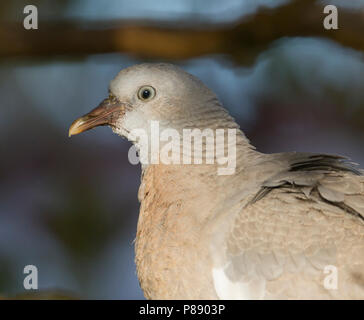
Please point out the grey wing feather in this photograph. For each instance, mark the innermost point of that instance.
(333, 178)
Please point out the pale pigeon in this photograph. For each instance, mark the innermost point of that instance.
(281, 226)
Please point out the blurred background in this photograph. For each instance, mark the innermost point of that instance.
(69, 206)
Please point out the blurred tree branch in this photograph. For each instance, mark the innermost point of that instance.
(242, 41)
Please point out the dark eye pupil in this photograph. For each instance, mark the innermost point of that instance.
(146, 94)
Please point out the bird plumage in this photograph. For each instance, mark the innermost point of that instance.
(276, 229)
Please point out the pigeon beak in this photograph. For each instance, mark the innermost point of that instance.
(106, 113)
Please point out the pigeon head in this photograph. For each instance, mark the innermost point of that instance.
(160, 92)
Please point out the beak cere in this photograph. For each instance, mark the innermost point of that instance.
(106, 113)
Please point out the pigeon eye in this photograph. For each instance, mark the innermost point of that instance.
(146, 93)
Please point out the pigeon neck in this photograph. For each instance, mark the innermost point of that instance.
(222, 153)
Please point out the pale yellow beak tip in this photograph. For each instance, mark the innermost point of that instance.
(75, 127)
